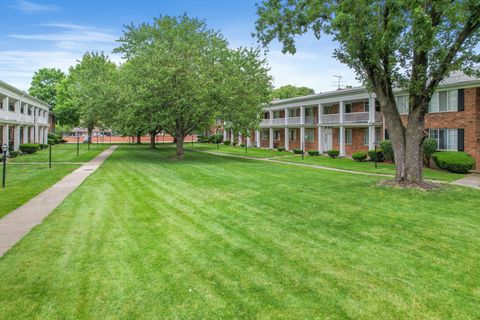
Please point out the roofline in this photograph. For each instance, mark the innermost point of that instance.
(361, 89)
(23, 93)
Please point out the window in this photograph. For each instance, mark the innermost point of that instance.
(309, 135)
(327, 109)
(11, 107)
(276, 134)
(22, 109)
(366, 136)
(402, 104)
(348, 136)
(366, 106)
(447, 139)
(444, 101)
(29, 111)
(265, 134)
(292, 133)
(309, 112)
(294, 112)
(276, 114)
(266, 115)
(348, 108)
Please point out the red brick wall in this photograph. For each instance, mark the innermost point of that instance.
(357, 141)
(468, 120)
(295, 144)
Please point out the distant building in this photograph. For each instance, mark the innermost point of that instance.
(23, 118)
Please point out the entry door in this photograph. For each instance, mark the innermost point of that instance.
(327, 139)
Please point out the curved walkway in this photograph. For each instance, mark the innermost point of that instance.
(20, 221)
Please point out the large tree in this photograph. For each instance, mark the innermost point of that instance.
(87, 95)
(44, 85)
(409, 44)
(181, 70)
(289, 91)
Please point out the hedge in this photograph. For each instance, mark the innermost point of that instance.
(387, 149)
(376, 156)
(359, 156)
(226, 142)
(429, 147)
(333, 153)
(297, 151)
(454, 161)
(313, 152)
(29, 148)
(281, 149)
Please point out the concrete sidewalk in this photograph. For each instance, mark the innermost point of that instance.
(15, 225)
(472, 180)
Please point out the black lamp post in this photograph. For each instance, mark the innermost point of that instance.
(4, 151)
(50, 156)
(78, 145)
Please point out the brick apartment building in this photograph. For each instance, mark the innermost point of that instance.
(350, 120)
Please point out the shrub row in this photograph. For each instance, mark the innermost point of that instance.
(29, 148)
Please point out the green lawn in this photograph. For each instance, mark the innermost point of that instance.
(26, 181)
(384, 168)
(215, 237)
(237, 151)
(64, 153)
(340, 163)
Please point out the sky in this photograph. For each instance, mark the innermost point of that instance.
(55, 34)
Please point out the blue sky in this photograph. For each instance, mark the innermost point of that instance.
(52, 33)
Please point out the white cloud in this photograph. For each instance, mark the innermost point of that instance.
(30, 7)
(69, 35)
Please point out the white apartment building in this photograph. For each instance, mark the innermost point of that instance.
(23, 118)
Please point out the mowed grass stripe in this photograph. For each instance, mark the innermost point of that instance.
(148, 237)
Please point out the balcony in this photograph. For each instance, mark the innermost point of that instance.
(349, 118)
(310, 120)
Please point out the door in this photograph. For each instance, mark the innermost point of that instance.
(327, 139)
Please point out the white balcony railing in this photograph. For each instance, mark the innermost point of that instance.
(310, 120)
(355, 117)
(277, 121)
(294, 120)
(330, 118)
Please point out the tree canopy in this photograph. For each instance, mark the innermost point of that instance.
(184, 76)
(87, 96)
(411, 45)
(44, 85)
(289, 91)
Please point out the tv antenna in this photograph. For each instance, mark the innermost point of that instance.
(338, 83)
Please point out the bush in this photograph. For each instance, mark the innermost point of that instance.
(281, 149)
(387, 149)
(454, 161)
(13, 154)
(313, 152)
(376, 156)
(55, 137)
(333, 153)
(29, 148)
(64, 141)
(203, 139)
(359, 156)
(215, 138)
(226, 142)
(51, 141)
(242, 145)
(429, 148)
(297, 151)
(43, 146)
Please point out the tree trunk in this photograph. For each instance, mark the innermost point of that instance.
(152, 139)
(180, 151)
(139, 138)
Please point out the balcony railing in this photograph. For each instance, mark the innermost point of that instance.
(294, 120)
(310, 120)
(330, 118)
(355, 117)
(277, 121)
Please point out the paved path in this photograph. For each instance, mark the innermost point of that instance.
(20, 221)
(472, 180)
